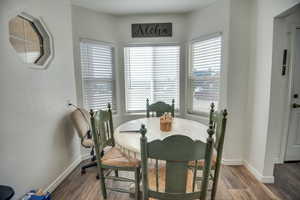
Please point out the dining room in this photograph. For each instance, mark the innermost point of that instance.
(147, 100)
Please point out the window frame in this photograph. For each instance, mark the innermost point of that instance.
(189, 96)
(114, 102)
(125, 110)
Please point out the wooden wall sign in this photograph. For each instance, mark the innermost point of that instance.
(151, 30)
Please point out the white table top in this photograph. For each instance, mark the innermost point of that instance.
(131, 140)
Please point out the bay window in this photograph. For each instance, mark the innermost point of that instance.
(204, 74)
(97, 72)
(151, 72)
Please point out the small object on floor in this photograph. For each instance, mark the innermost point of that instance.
(6, 192)
(37, 195)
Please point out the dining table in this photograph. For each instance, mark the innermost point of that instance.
(127, 135)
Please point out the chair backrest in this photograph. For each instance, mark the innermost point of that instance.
(218, 121)
(176, 152)
(80, 118)
(159, 108)
(102, 129)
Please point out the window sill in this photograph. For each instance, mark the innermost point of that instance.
(135, 114)
(196, 117)
(177, 114)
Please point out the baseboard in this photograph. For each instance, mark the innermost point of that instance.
(232, 162)
(63, 175)
(258, 175)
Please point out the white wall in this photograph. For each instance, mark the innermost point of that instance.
(37, 142)
(206, 21)
(88, 24)
(231, 17)
(260, 150)
(237, 79)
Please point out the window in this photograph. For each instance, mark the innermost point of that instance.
(151, 72)
(97, 74)
(30, 40)
(204, 75)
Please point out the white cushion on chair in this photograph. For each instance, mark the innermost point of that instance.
(88, 143)
(81, 120)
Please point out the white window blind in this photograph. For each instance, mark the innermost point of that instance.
(97, 75)
(204, 77)
(151, 72)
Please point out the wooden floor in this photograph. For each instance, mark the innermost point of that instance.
(287, 181)
(236, 183)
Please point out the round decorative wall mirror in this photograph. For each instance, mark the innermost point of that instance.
(31, 40)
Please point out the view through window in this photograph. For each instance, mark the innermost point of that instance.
(204, 76)
(151, 72)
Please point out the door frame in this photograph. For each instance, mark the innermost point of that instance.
(291, 68)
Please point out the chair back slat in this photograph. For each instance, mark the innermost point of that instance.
(176, 176)
(157, 175)
(102, 128)
(220, 121)
(195, 174)
(159, 108)
(217, 120)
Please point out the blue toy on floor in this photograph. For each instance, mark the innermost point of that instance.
(31, 196)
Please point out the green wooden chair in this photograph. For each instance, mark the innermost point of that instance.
(113, 159)
(159, 108)
(177, 168)
(219, 121)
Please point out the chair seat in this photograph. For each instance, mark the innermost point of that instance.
(115, 157)
(200, 163)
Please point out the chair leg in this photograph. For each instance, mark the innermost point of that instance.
(83, 168)
(215, 182)
(102, 183)
(137, 183)
(116, 173)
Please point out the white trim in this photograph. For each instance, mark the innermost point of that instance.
(63, 175)
(206, 37)
(258, 175)
(232, 162)
(150, 44)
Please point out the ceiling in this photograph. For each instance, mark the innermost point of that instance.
(124, 7)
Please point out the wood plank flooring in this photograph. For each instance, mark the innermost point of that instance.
(287, 181)
(236, 183)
